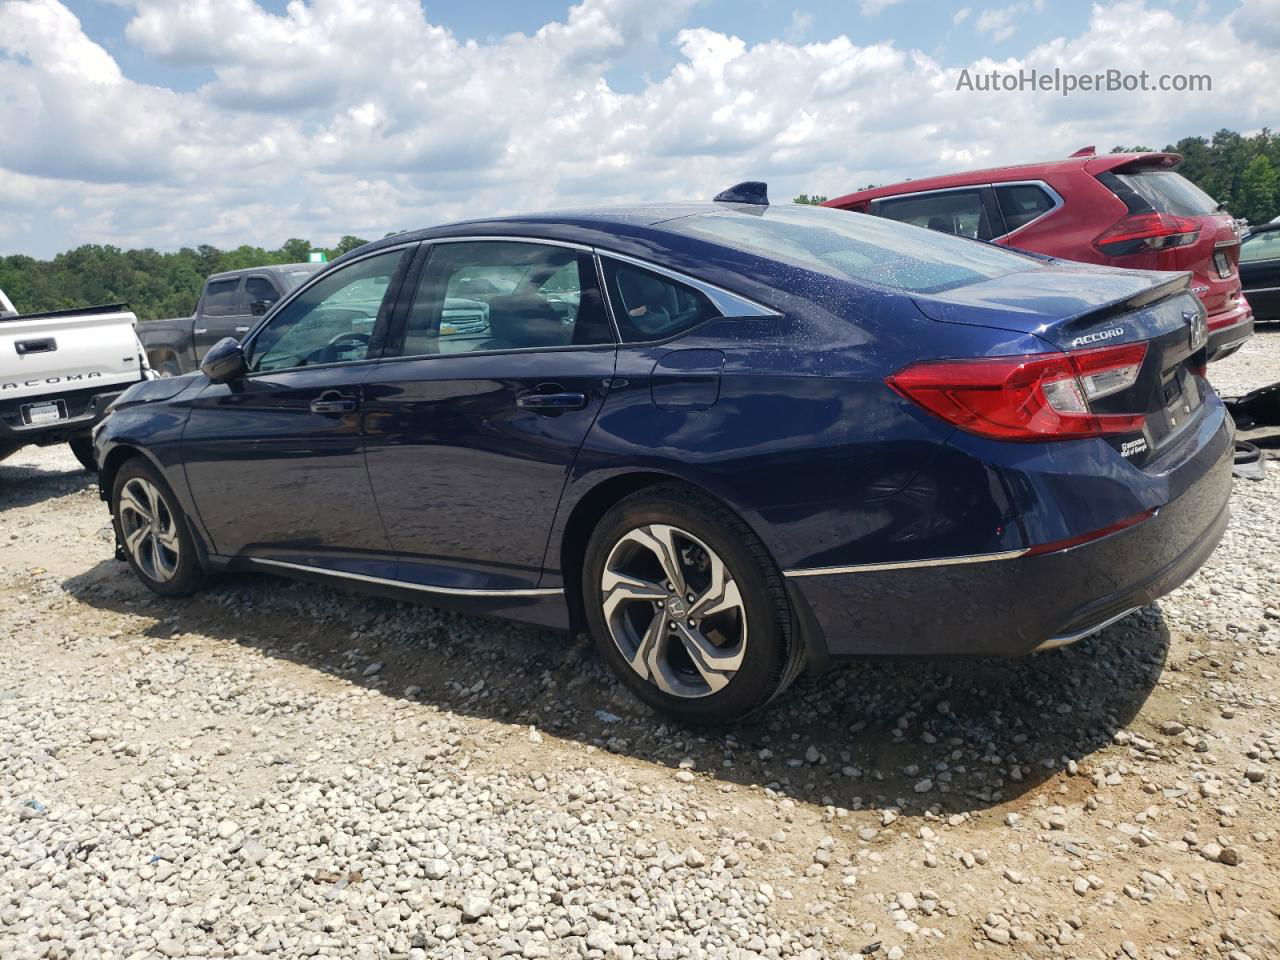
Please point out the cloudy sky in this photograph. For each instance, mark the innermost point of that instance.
(164, 124)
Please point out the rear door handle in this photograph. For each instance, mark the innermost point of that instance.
(331, 401)
(551, 401)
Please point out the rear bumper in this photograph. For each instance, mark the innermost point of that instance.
(85, 409)
(1227, 331)
(1009, 604)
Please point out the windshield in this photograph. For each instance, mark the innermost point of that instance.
(294, 278)
(857, 246)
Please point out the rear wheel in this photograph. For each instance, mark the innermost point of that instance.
(688, 607)
(82, 447)
(153, 531)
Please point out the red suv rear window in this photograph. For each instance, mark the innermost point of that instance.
(1159, 191)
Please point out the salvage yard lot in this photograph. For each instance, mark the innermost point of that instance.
(277, 769)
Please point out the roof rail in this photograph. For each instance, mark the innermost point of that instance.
(749, 191)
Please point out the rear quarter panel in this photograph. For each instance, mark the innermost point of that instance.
(806, 441)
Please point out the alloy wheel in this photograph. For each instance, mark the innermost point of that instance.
(149, 529)
(674, 610)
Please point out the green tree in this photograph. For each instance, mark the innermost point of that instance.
(346, 245)
(295, 250)
(1258, 189)
(812, 201)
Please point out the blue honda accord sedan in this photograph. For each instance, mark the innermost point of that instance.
(729, 439)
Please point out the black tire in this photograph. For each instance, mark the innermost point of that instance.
(82, 447)
(771, 651)
(187, 575)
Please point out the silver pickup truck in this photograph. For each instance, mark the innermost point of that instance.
(60, 370)
(230, 304)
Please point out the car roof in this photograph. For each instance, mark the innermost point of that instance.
(268, 268)
(1089, 162)
(625, 228)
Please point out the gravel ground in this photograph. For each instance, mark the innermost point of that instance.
(277, 770)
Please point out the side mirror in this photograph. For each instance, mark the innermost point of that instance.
(259, 307)
(225, 361)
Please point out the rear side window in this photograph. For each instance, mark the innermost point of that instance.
(649, 306)
(854, 246)
(221, 299)
(960, 213)
(1020, 203)
(1159, 191)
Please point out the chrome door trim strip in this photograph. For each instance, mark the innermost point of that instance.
(493, 238)
(404, 584)
(904, 564)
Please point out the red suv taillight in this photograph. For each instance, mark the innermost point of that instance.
(1036, 397)
(1147, 232)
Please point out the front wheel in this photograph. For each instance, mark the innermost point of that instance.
(153, 531)
(688, 607)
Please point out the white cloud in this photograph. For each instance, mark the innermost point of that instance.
(998, 22)
(316, 124)
(801, 24)
(960, 16)
(871, 8)
(1259, 21)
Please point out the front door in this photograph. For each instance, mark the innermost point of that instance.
(496, 374)
(275, 460)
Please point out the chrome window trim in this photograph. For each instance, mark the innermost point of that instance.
(1056, 197)
(730, 304)
(905, 564)
(1262, 289)
(424, 588)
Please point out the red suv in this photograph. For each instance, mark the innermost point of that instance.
(1121, 209)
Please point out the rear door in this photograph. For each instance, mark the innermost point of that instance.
(275, 461)
(491, 382)
(222, 310)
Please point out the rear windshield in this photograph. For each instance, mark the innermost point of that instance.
(1164, 191)
(856, 246)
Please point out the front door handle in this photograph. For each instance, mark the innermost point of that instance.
(551, 402)
(331, 401)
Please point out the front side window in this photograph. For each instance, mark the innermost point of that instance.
(960, 213)
(504, 295)
(1261, 246)
(259, 292)
(332, 321)
(1020, 203)
(222, 299)
(649, 306)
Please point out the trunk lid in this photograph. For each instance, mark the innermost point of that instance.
(1077, 308)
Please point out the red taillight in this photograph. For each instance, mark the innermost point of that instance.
(1146, 232)
(1037, 397)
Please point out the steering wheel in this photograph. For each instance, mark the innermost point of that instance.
(331, 348)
